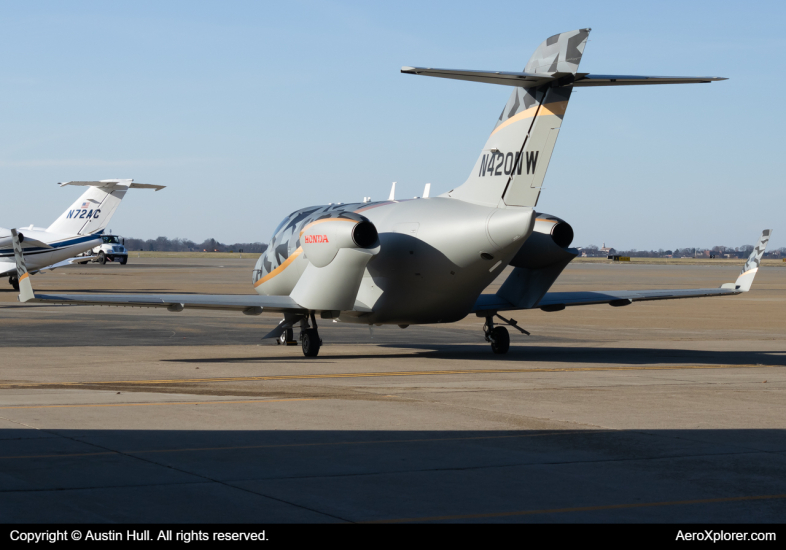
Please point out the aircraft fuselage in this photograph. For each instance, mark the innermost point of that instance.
(435, 256)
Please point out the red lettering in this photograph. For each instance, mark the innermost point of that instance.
(311, 239)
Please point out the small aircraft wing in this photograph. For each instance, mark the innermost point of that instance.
(69, 261)
(556, 301)
(248, 304)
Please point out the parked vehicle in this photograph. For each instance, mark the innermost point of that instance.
(111, 249)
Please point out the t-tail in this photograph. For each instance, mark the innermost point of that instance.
(91, 212)
(512, 165)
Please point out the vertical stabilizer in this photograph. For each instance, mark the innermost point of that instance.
(92, 211)
(511, 167)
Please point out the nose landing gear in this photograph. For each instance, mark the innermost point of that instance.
(287, 338)
(498, 336)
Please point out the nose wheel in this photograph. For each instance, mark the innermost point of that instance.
(287, 338)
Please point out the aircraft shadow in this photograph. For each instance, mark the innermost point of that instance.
(529, 354)
(365, 475)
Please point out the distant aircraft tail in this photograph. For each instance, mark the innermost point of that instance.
(512, 165)
(92, 211)
(751, 267)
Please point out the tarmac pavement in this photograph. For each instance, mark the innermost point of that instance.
(658, 412)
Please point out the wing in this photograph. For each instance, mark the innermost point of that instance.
(248, 304)
(557, 301)
(488, 304)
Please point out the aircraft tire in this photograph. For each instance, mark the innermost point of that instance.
(501, 340)
(14, 282)
(311, 342)
(101, 258)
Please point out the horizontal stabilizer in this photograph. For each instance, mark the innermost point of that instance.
(6, 242)
(533, 80)
(584, 80)
(111, 184)
(521, 80)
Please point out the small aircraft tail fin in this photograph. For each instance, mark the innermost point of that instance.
(92, 211)
(25, 288)
(512, 165)
(745, 280)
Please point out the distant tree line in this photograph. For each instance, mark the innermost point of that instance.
(163, 244)
(716, 251)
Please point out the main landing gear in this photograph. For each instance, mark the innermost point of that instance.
(14, 282)
(498, 336)
(309, 337)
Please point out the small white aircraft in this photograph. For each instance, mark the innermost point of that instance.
(428, 260)
(77, 229)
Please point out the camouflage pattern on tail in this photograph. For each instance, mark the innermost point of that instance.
(513, 163)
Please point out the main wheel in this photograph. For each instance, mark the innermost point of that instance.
(500, 340)
(101, 258)
(311, 342)
(14, 282)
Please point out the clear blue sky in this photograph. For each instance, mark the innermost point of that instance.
(249, 110)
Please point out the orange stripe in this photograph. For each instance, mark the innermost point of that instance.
(326, 220)
(556, 108)
(280, 268)
(23, 277)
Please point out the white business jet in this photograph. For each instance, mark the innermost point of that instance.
(77, 229)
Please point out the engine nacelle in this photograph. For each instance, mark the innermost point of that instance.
(322, 239)
(338, 250)
(547, 245)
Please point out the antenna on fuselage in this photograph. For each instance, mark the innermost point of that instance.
(392, 196)
(427, 190)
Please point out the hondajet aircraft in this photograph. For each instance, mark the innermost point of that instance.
(428, 260)
(77, 229)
